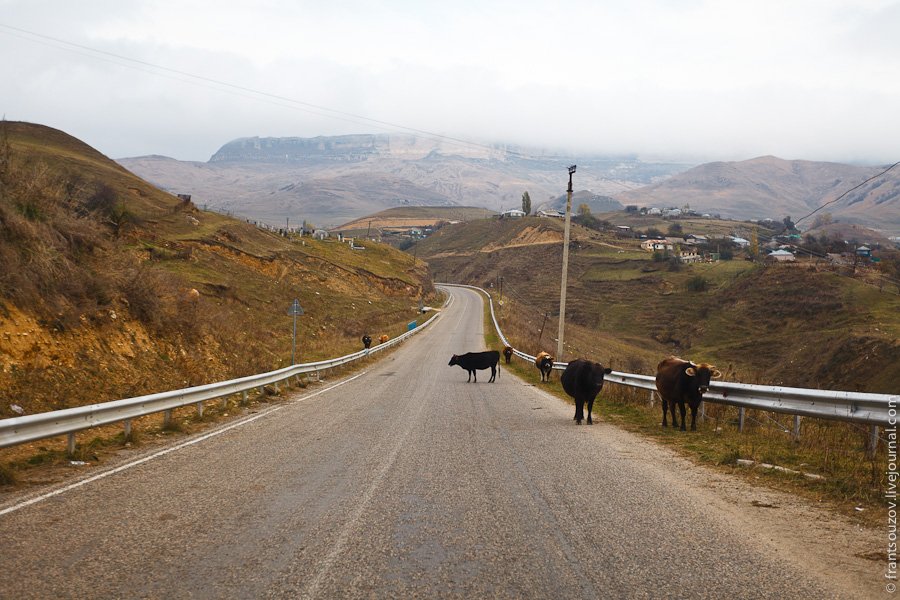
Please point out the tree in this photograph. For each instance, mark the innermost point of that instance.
(675, 229)
(788, 224)
(584, 210)
(823, 219)
(526, 203)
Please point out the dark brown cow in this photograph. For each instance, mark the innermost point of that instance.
(367, 341)
(507, 353)
(679, 382)
(544, 362)
(583, 380)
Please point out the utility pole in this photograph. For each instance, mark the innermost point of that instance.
(565, 269)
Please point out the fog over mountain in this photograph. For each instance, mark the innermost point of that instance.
(331, 180)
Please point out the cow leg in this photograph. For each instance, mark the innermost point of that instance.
(493, 373)
(469, 380)
(665, 406)
(693, 417)
(683, 411)
(579, 411)
(590, 407)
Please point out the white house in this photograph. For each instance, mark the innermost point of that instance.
(556, 214)
(781, 256)
(656, 246)
(513, 213)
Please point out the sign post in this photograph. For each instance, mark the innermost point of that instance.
(294, 311)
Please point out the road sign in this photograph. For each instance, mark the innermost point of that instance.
(295, 310)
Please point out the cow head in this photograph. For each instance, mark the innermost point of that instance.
(598, 372)
(454, 360)
(703, 373)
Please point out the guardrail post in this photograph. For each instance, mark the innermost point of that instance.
(167, 418)
(651, 399)
(741, 412)
(796, 432)
(702, 411)
(70, 445)
(872, 446)
(127, 430)
(224, 402)
(244, 398)
(200, 410)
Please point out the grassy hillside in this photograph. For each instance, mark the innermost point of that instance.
(112, 288)
(781, 324)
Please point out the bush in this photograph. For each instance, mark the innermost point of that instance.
(698, 283)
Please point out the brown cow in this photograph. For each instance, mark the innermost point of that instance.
(507, 353)
(544, 362)
(383, 339)
(679, 382)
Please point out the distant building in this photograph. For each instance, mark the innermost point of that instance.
(864, 251)
(555, 214)
(654, 211)
(781, 256)
(623, 230)
(689, 256)
(693, 239)
(320, 234)
(739, 241)
(657, 246)
(512, 214)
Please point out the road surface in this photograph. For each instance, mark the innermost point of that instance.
(405, 481)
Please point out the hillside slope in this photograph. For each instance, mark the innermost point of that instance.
(783, 324)
(769, 187)
(111, 288)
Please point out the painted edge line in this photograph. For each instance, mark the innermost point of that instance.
(206, 436)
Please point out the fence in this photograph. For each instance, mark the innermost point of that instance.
(19, 430)
(871, 409)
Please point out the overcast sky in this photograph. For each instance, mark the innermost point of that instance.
(700, 79)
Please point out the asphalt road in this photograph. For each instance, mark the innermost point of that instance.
(404, 482)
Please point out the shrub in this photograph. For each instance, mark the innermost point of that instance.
(698, 283)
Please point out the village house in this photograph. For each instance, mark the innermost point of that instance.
(781, 256)
(657, 246)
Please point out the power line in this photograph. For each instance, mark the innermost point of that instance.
(848, 191)
(328, 112)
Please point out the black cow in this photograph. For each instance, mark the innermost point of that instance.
(679, 381)
(470, 361)
(544, 362)
(507, 353)
(367, 341)
(583, 380)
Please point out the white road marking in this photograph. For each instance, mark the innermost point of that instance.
(140, 461)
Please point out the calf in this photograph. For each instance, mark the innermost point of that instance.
(679, 382)
(382, 339)
(367, 341)
(507, 353)
(544, 362)
(470, 361)
(583, 380)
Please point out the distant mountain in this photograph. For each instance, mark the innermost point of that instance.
(596, 202)
(769, 187)
(332, 180)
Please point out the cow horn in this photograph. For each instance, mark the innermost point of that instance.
(716, 374)
(690, 371)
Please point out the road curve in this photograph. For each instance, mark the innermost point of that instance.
(404, 482)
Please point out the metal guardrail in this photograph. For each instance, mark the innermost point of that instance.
(856, 407)
(28, 428)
